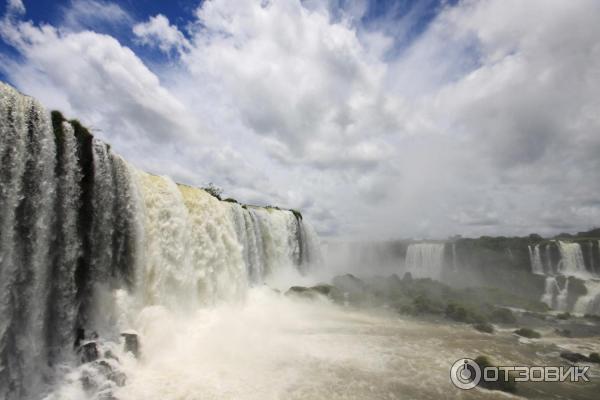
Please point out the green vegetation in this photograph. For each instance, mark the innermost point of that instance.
(564, 315)
(230, 200)
(503, 316)
(528, 333)
(461, 313)
(213, 190)
(418, 297)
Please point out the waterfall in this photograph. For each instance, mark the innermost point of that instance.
(425, 259)
(88, 242)
(571, 259)
(555, 297)
(536, 260)
(548, 251)
(591, 255)
(551, 290)
(454, 265)
(589, 303)
(27, 198)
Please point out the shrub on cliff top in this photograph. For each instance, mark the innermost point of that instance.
(213, 190)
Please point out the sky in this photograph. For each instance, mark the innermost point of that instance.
(377, 119)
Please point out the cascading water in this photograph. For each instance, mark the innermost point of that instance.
(454, 264)
(88, 243)
(536, 260)
(572, 265)
(572, 262)
(589, 303)
(425, 259)
(548, 252)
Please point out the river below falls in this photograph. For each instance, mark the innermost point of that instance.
(275, 347)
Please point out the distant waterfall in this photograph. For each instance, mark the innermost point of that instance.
(551, 290)
(550, 268)
(554, 296)
(536, 260)
(425, 259)
(590, 303)
(87, 241)
(571, 258)
(454, 263)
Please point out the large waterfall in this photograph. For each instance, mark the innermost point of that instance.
(571, 265)
(571, 258)
(87, 241)
(425, 259)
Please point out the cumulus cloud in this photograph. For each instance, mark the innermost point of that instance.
(482, 121)
(15, 6)
(157, 31)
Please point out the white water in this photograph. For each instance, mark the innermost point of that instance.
(571, 264)
(425, 260)
(550, 267)
(590, 303)
(536, 260)
(274, 347)
(93, 244)
(555, 296)
(571, 259)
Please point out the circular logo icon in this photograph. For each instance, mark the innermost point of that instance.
(465, 374)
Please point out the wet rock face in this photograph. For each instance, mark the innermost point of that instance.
(574, 357)
(89, 352)
(132, 343)
(101, 377)
(315, 291)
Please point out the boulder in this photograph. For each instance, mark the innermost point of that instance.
(349, 284)
(594, 357)
(502, 316)
(574, 357)
(100, 376)
(484, 327)
(563, 332)
(88, 351)
(528, 333)
(504, 383)
(315, 291)
(132, 343)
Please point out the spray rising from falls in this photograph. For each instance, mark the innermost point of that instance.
(88, 242)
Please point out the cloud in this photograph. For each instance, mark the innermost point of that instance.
(15, 7)
(92, 76)
(477, 118)
(303, 82)
(93, 14)
(157, 31)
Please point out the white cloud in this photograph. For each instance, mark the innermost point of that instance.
(157, 31)
(486, 123)
(92, 14)
(15, 6)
